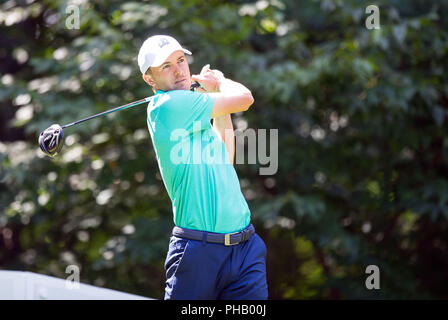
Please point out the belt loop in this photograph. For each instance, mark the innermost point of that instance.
(204, 238)
(245, 235)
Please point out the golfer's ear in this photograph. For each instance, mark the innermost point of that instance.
(148, 80)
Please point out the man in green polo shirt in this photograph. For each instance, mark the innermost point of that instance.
(214, 252)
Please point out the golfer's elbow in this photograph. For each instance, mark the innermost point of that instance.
(248, 100)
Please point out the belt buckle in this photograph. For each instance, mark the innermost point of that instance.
(227, 239)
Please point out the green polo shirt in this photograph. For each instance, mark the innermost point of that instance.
(193, 161)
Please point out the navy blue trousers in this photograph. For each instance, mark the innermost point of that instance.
(208, 271)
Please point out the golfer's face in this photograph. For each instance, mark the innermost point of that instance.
(173, 74)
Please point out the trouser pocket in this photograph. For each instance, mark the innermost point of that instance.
(176, 251)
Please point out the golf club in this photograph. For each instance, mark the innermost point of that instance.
(51, 139)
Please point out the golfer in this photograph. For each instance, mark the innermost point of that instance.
(214, 252)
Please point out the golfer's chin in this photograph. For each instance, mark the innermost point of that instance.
(182, 85)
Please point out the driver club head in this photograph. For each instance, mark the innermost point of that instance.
(51, 140)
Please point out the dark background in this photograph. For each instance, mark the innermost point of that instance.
(362, 141)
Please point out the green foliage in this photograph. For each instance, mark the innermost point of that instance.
(361, 116)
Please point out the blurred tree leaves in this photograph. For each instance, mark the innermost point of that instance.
(361, 116)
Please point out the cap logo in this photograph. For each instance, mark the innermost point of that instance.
(163, 42)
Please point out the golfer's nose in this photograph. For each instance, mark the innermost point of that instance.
(178, 71)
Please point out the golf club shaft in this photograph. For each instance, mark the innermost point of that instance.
(125, 106)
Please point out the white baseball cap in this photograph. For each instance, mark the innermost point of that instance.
(155, 50)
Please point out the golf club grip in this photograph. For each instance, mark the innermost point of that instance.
(125, 106)
(195, 85)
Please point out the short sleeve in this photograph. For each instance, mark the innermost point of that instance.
(188, 110)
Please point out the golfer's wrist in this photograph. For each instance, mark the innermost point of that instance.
(221, 78)
(222, 84)
(229, 86)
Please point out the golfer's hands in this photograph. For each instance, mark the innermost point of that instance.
(209, 80)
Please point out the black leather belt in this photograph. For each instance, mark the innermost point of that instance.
(228, 239)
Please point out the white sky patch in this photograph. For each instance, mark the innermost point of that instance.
(104, 197)
(22, 99)
(7, 80)
(25, 113)
(43, 199)
(18, 152)
(13, 16)
(337, 121)
(241, 124)
(252, 9)
(100, 138)
(43, 85)
(60, 53)
(366, 227)
(97, 164)
(21, 55)
(108, 255)
(71, 84)
(269, 183)
(71, 139)
(86, 61)
(52, 176)
(125, 73)
(317, 133)
(140, 134)
(128, 229)
(320, 177)
(73, 155)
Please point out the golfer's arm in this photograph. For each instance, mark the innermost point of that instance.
(224, 127)
(232, 97)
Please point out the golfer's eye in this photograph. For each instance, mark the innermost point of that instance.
(166, 66)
